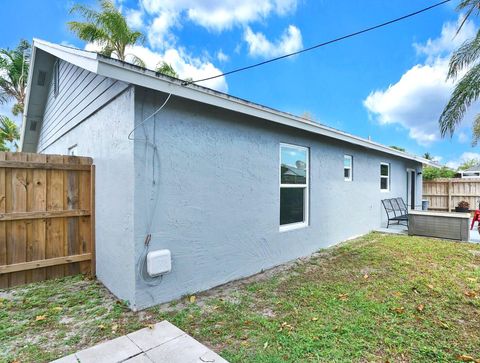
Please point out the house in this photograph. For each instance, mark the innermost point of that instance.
(472, 172)
(227, 187)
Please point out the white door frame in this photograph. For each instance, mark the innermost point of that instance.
(409, 188)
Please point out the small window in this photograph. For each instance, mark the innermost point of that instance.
(293, 186)
(384, 177)
(73, 150)
(348, 167)
(56, 78)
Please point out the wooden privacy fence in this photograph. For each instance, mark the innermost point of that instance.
(46, 217)
(444, 194)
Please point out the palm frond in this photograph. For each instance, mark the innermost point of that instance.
(466, 91)
(136, 60)
(14, 66)
(85, 12)
(468, 53)
(476, 131)
(88, 32)
(8, 130)
(166, 69)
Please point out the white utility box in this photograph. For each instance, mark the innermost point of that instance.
(159, 262)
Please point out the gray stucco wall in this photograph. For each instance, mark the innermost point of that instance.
(81, 93)
(103, 136)
(218, 194)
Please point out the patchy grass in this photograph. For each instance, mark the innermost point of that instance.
(378, 298)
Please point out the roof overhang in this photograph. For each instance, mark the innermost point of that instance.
(135, 75)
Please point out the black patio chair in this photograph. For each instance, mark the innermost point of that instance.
(396, 210)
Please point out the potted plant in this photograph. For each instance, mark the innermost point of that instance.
(462, 206)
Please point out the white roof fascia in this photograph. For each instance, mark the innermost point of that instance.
(27, 98)
(148, 79)
(81, 58)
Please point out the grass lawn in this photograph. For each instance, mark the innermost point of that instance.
(378, 298)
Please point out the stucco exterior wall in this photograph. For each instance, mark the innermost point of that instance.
(103, 136)
(217, 184)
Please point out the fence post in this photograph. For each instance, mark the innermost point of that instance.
(449, 203)
(93, 270)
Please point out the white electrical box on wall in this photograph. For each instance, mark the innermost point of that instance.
(159, 262)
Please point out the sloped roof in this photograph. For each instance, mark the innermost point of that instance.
(132, 74)
(472, 169)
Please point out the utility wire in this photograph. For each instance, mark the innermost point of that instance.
(322, 44)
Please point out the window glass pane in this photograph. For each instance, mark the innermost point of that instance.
(384, 183)
(347, 161)
(291, 205)
(346, 173)
(293, 165)
(384, 169)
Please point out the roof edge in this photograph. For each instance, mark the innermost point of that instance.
(132, 74)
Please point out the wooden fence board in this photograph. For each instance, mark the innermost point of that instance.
(36, 229)
(444, 194)
(71, 202)
(46, 216)
(18, 229)
(3, 236)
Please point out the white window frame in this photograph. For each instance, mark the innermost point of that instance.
(306, 195)
(350, 157)
(385, 177)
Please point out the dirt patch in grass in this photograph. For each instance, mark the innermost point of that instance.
(378, 298)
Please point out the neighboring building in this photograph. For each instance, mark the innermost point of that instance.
(473, 172)
(229, 187)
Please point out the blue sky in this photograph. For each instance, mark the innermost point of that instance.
(388, 84)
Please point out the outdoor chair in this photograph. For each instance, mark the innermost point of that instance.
(396, 210)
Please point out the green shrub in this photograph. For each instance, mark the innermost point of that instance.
(430, 173)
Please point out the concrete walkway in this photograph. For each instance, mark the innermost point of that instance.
(164, 342)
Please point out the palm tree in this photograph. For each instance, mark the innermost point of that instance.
(13, 75)
(8, 132)
(108, 28)
(165, 68)
(467, 90)
(427, 156)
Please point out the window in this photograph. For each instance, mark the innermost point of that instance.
(293, 186)
(56, 78)
(348, 167)
(384, 177)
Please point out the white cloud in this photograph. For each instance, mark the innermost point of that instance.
(214, 15)
(222, 57)
(466, 156)
(134, 18)
(159, 34)
(418, 98)
(448, 41)
(259, 45)
(224, 14)
(184, 64)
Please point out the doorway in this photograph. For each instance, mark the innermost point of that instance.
(411, 188)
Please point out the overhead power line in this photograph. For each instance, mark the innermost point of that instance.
(366, 30)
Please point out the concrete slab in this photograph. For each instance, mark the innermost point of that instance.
(161, 333)
(184, 349)
(67, 359)
(141, 358)
(116, 350)
(161, 344)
